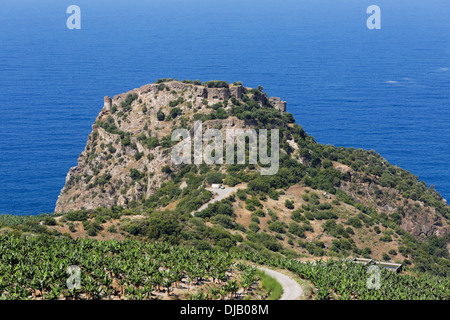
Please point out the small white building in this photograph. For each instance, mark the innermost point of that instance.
(215, 186)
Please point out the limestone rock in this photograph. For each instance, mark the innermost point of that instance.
(117, 166)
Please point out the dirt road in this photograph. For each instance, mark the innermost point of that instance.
(219, 194)
(291, 289)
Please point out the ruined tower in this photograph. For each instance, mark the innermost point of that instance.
(278, 104)
(108, 103)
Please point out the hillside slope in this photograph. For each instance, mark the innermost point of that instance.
(323, 201)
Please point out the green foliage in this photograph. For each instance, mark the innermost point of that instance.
(160, 115)
(278, 227)
(273, 194)
(136, 175)
(175, 112)
(340, 279)
(224, 220)
(241, 194)
(164, 80)
(79, 215)
(126, 104)
(176, 102)
(430, 255)
(392, 252)
(138, 155)
(255, 219)
(49, 221)
(222, 207)
(270, 285)
(214, 177)
(296, 230)
(335, 230)
(37, 266)
(92, 228)
(344, 197)
(71, 227)
(166, 169)
(289, 204)
(216, 84)
(259, 213)
(254, 227)
(253, 203)
(272, 214)
(354, 222)
(296, 215)
(231, 181)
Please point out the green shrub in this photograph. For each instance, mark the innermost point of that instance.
(241, 194)
(138, 155)
(273, 215)
(175, 113)
(254, 227)
(255, 219)
(392, 252)
(309, 215)
(49, 221)
(259, 213)
(203, 245)
(273, 194)
(224, 220)
(216, 84)
(289, 204)
(214, 177)
(354, 222)
(136, 174)
(296, 229)
(297, 215)
(71, 227)
(222, 207)
(160, 115)
(231, 181)
(76, 216)
(278, 227)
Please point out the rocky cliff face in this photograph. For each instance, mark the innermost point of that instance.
(128, 155)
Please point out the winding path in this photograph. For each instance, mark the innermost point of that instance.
(291, 289)
(219, 194)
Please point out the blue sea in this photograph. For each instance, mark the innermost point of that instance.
(387, 89)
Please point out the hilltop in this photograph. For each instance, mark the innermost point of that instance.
(129, 147)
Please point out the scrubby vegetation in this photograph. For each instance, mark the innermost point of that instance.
(271, 285)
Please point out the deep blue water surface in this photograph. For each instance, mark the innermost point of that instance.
(387, 90)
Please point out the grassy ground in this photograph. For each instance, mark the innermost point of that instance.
(270, 285)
